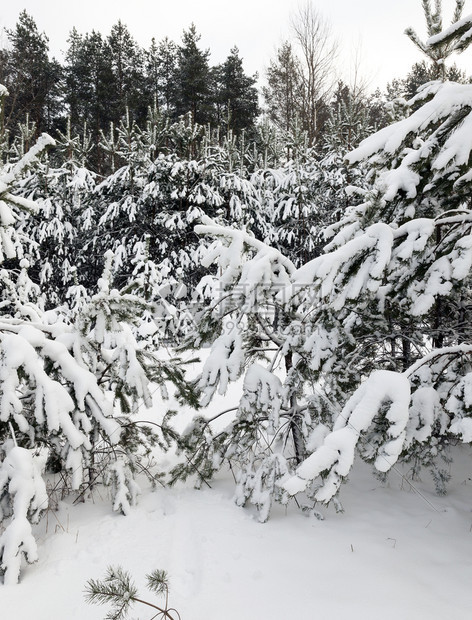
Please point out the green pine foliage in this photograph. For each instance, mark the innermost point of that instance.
(118, 590)
(31, 77)
(237, 105)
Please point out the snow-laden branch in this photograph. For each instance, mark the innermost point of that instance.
(460, 32)
(409, 412)
(21, 478)
(263, 392)
(426, 360)
(384, 393)
(382, 253)
(239, 239)
(437, 116)
(44, 141)
(328, 272)
(224, 364)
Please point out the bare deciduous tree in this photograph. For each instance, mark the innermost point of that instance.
(317, 52)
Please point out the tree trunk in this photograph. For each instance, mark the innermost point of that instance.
(295, 419)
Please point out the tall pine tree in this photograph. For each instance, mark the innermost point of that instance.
(32, 79)
(236, 97)
(193, 76)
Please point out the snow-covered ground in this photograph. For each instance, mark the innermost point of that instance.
(392, 554)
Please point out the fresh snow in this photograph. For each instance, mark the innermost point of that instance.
(463, 27)
(392, 554)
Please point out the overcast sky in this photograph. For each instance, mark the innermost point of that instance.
(257, 27)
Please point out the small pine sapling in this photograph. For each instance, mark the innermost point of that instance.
(118, 589)
(266, 435)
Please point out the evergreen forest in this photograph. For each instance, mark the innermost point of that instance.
(309, 240)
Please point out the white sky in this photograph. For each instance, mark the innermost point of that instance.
(257, 27)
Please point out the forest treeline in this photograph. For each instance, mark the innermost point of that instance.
(104, 78)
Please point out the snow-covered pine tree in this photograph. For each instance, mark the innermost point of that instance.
(46, 396)
(60, 185)
(251, 332)
(151, 204)
(268, 433)
(392, 296)
(153, 199)
(69, 379)
(374, 333)
(438, 54)
(306, 193)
